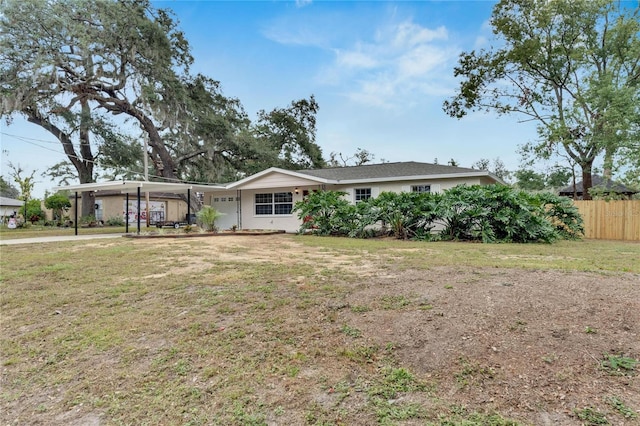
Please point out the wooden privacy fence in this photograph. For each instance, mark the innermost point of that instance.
(610, 220)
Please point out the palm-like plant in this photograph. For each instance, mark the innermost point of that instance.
(207, 216)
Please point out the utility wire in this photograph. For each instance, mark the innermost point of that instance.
(30, 141)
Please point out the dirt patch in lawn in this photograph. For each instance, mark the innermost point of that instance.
(269, 330)
(527, 344)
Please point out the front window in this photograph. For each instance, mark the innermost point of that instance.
(278, 203)
(421, 188)
(363, 194)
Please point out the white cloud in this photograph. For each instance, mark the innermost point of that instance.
(355, 59)
(408, 34)
(303, 3)
(400, 62)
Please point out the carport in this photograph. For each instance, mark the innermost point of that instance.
(129, 187)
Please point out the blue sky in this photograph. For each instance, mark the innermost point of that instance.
(379, 71)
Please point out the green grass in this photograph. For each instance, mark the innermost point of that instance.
(585, 255)
(143, 332)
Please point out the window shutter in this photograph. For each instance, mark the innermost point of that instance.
(406, 188)
(375, 191)
(435, 187)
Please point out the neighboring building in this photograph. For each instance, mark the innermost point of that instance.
(608, 187)
(9, 207)
(162, 206)
(265, 200)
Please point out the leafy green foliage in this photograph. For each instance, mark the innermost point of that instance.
(619, 365)
(591, 416)
(7, 189)
(494, 213)
(324, 212)
(567, 65)
(34, 210)
(59, 203)
(407, 214)
(208, 216)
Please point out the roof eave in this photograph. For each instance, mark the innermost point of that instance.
(265, 172)
(480, 173)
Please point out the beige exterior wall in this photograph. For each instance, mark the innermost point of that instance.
(114, 206)
(278, 180)
(241, 211)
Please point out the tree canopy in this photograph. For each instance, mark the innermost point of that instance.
(86, 70)
(573, 66)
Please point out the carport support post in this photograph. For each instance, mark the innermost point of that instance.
(126, 214)
(189, 206)
(138, 210)
(75, 215)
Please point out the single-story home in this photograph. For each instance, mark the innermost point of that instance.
(608, 186)
(10, 207)
(265, 200)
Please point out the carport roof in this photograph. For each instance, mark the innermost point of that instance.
(131, 186)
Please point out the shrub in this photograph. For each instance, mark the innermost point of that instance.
(58, 203)
(494, 213)
(34, 211)
(323, 212)
(407, 214)
(115, 221)
(207, 216)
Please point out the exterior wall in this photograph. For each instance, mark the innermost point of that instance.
(437, 185)
(225, 202)
(250, 220)
(241, 211)
(113, 206)
(278, 180)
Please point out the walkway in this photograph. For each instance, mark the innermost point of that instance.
(39, 240)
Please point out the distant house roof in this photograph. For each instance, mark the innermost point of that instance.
(599, 181)
(11, 202)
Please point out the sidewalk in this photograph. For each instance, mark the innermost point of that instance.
(39, 240)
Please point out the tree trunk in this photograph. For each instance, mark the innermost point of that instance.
(587, 182)
(608, 162)
(88, 204)
(85, 164)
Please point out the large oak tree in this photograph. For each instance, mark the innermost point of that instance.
(63, 61)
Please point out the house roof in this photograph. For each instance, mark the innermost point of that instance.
(409, 170)
(114, 193)
(10, 202)
(144, 186)
(599, 181)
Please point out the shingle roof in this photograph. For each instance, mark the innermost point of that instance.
(4, 201)
(597, 180)
(386, 170)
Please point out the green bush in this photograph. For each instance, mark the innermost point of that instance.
(59, 204)
(493, 213)
(115, 221)
(207, 216)
(322, 212)
(34, 211)
(407, 214)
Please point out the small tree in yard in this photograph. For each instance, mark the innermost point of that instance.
(208, 216)
(59, 203)
(34, 211)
